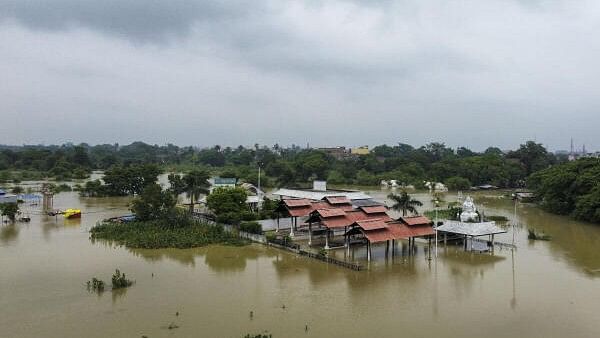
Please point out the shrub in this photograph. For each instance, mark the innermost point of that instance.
(95, 285)
(271, 236)
(251, 227)
(119, 281)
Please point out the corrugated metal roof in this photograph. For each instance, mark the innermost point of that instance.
(365, 202)
(470, 229)
(378, 209)
(416, 220)
(372, 224)
(337, 199)
(296, 202)
(319, 195)
(225, 181)
(331, 212)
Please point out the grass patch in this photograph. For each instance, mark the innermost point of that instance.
(160, 234)
(496, 218)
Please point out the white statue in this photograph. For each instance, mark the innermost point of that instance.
(469, 211)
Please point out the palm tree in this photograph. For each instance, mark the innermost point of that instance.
(404, 203)
(195, 183)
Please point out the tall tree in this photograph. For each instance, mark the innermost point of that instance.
(404, 203)
(195, 183)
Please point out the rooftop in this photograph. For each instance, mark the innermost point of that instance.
(471, 229)
(317, 195)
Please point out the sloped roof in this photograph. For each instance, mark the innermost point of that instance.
(368, 202)
(319, 195)
(471, 229)
(331, 212)
(337, 199)
(376, 209)
(415, 220)
(296, 202)
(372, 224)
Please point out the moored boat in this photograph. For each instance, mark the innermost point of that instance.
(72, 213)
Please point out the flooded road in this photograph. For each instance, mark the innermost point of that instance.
(541, 289)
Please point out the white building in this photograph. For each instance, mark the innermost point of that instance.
(7, 198)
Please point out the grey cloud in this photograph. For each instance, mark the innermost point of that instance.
(149, 20)
(352, 72)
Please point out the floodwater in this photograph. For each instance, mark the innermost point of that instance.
(541, 289)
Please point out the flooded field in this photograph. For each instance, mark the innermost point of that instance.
(541, 289)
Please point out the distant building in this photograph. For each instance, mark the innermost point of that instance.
(336, 152)
(364, 150)
(222, 182)
(7, 198)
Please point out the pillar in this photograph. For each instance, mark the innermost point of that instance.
(309, 233)
(346, 241)
(368, 250)
(292, 227)
(327, 239)
(277, 229)
(387, 248)
(348, 245)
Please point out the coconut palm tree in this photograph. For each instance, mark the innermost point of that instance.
(195, 183)
(404, 203)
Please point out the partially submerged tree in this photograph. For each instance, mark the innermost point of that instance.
(9, 210)
(154, 203)
(404, 203)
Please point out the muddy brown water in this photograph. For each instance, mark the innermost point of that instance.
(541, 289)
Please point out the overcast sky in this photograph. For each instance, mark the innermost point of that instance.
(467, 73)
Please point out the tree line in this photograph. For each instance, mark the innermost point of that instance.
(571, 188)
(459, 168)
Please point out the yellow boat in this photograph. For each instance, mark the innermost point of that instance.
(72, 213)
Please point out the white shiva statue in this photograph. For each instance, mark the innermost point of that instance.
(469, 211)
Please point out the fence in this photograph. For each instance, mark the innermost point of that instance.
(280, 244)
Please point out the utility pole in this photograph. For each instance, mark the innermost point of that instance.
(258, 192)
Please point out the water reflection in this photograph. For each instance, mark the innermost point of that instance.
(220, 259)
(8, 233)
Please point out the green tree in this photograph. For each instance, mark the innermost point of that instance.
(154, 203)
(227, 200)
(404, 203)
(533, 156)
(195, 184)
(9, 210)
(458, 183)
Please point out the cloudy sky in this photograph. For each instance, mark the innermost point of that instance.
(468, 73)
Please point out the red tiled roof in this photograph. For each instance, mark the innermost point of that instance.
(296, 202)
(300, 212)
(372, 224)
(416, 220)
(331, 212)
(377, 209)
(393, 230)
(337, 199)
(336, 222)
(380, 235)
(304, 210)
(358, 215)
(423, 230)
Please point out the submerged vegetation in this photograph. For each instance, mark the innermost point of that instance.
(179, 232)
(119, 281)
(533, 235)
(95, 285)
